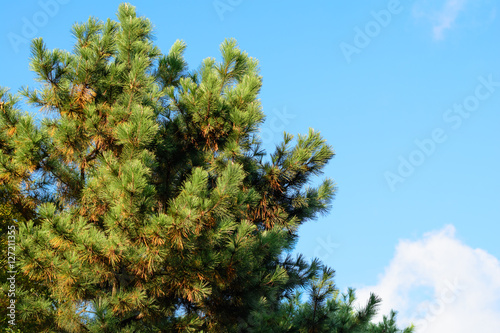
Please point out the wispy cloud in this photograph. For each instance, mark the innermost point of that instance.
(441, 285)
(442, 18)
(447, 17)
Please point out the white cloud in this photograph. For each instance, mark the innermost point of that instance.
(442, 19)
(447, 17)
(441, 285)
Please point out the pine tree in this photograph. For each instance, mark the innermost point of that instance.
(324, 311)
(145, 201)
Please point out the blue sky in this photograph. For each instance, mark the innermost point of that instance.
(407, 93)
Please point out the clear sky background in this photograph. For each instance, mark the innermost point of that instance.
(407, 93)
